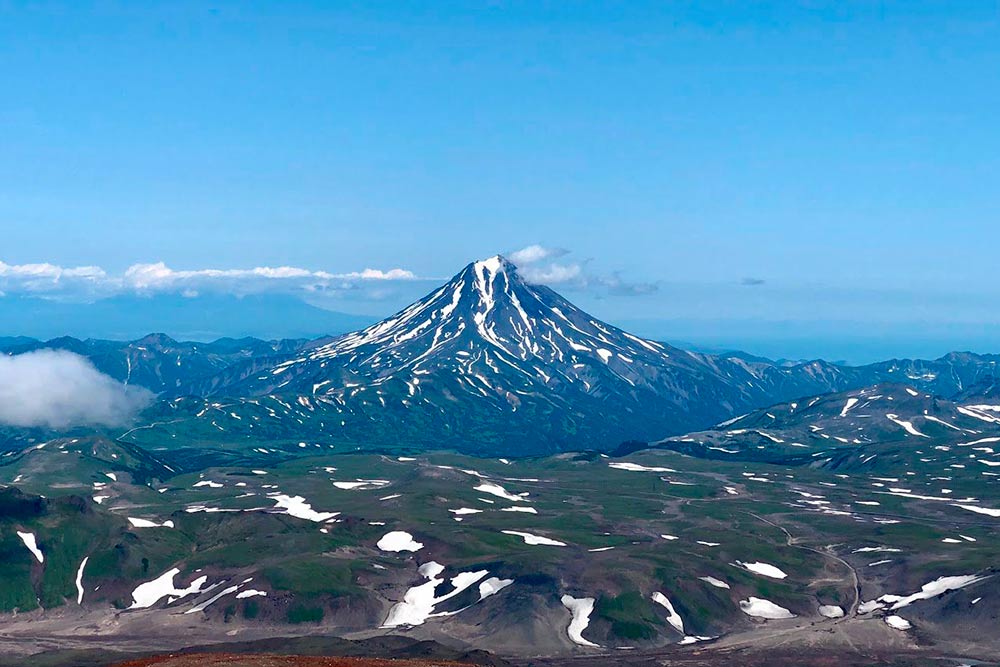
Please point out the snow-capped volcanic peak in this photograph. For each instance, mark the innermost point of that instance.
(486, 323)
(490, 362)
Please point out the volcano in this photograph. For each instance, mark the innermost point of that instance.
(491, 363)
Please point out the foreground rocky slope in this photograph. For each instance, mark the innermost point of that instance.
(575, 553)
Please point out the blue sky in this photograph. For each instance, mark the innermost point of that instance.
(841, 157)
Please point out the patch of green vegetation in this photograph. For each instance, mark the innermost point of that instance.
(830, 595)
(303, 614)
(134, 556)
(16, 591)
(630, 614)
(70, 534)
(315, 575)
(251, 609)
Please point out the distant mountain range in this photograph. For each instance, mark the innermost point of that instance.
(158, 362)
(487, 363)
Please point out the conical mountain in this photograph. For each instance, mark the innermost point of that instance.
(494, 333)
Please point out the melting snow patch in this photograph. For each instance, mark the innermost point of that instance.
(79, 581)
(250, 593)
(907, 426)
(145, 523)
(980, 510)
(520, 508)
(534, 539)
(898, 623)
(763, 569)
(761, 608)
(718, 583)
(694, 639)
(492, 586)
(931, 589)
(29, 541)
(831, 611)
(870, 606)
(673, 618)
(298, 507)
(362, 484)
(581, 609)
(204, 605)
(149, 593)
(419, 602)
(500, 492)
(851, 402)
(635, 467)
(397, 541)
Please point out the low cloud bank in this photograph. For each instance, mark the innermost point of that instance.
(58, 389)
(93, 282)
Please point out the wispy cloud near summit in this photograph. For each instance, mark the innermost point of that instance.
(545, 266)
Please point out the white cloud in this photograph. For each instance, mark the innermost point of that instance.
(93, 281)
(535, 253)
(160, 277)
(534, 263)
(553, 274)
(378, 274)
(59, 389)
(44, 278)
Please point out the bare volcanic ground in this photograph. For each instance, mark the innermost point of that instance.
(786, 657)
(709, 658)
(236, 660)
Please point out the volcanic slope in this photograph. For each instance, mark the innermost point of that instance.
(487, 363)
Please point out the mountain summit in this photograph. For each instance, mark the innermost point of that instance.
(496, 333)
